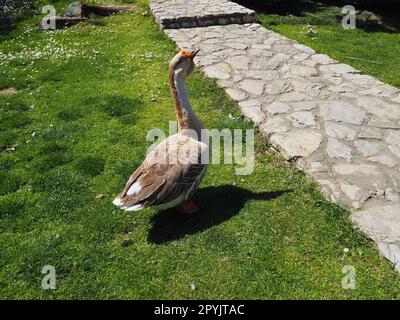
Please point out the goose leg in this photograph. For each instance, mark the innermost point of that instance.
(188, 207)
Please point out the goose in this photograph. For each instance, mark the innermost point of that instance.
(172, 171)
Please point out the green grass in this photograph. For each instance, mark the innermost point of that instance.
(330, 38)
(79, 124)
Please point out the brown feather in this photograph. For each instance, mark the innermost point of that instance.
(160, 182)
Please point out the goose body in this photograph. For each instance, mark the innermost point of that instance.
(171, 173)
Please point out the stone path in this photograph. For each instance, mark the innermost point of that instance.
(339, 126)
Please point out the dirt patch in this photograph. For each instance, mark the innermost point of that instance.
(8, 91)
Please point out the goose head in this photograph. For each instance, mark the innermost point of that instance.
(182, 64)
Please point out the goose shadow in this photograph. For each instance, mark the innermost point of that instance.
(217, 204)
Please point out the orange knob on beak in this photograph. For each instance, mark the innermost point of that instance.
(189, 54)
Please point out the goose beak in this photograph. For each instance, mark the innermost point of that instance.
(194, 53)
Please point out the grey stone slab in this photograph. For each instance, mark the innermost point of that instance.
(236, 94)
(337, 69)
(220, 71)
(385, 159)
(303, 119)
(252, 110)
(274, 125)
(297, 143)
(340, 131)
(380, 107)
(367, 148)
(337, 149)
(276, 108)
(383, 123)
(174, 14)
(382, 224)
(370, 133)
(342, 111)
(255, 87)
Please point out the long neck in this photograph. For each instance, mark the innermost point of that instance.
(186, 117)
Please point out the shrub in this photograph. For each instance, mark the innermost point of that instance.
(11, 8)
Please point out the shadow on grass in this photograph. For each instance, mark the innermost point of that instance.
(372, 16)
(6, 26)
(218, 204)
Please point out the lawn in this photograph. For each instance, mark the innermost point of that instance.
(371, 48)
(86, 98)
